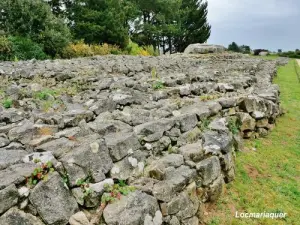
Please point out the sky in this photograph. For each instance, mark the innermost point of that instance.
(268, 24)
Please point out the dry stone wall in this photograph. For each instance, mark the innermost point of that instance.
(168, 126)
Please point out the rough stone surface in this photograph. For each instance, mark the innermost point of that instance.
(16, 216)
(132, 209)
(203, 49)
(55, 205)
(79, 219)
(168, 125)
(8, 198)
(209, 169)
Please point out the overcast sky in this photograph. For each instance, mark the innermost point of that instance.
(269, 24)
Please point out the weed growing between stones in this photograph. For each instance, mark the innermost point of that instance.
(204, 124)
(45, 94)
(7, 103)
(234, 126)
(114, 192)
(39, 173)
(205, 98)
(158, 85)
(85, 186)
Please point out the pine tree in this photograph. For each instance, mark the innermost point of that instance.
(99, 21)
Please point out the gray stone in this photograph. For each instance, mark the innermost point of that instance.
(258, 115)
(174, 221)
(227, 102)
(120, 144)
(249, 104)
(91, 157)
(4, 142)
(215, 142)
(53, 200)
(193, 152)
(215, 189)
(15, 174)
(187, 122)
(10, 157)
(58, 147)
(218, 125)
(73, 117)
(209, 169)
(248, 123)
(223, 87)
(99, 187)
(79, 219)
(262, 123)
(191, 221)
(42, 157)
(189, 137)
(154, 130)
(262, 132)
(15, 216)
(203, 49)
(131, 209)
(174, 160)
(23, 132)
(11, 115)
(128, 167)
(200, 109)
(8, 198)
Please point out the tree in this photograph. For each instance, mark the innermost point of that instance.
(171, 24)
(34, 19)
(101, 21)
(56, 6)
(194, 27)
(234, 47)
(245, 49)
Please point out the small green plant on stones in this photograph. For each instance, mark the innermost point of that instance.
(44, 95)
(205, 98)
(7, 103)
(85, 186)
(204, 124)
(39, 173)
(114, 192)
(233, 126)
(154, 74)
(158, 85)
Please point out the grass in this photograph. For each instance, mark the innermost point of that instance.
(268, 179)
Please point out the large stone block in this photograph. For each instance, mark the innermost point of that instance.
(53, 201)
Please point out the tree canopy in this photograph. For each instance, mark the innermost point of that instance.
(167, 25)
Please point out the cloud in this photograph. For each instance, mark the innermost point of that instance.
(258, 23)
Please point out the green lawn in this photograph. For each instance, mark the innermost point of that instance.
(268, 179)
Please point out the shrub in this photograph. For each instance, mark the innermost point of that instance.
(77, 49)
(106, 49)
(134, 49)
(151, 51)
(80, 49)
(23, 49)
(5, 48)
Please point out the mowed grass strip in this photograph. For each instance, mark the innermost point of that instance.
(268, 172)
